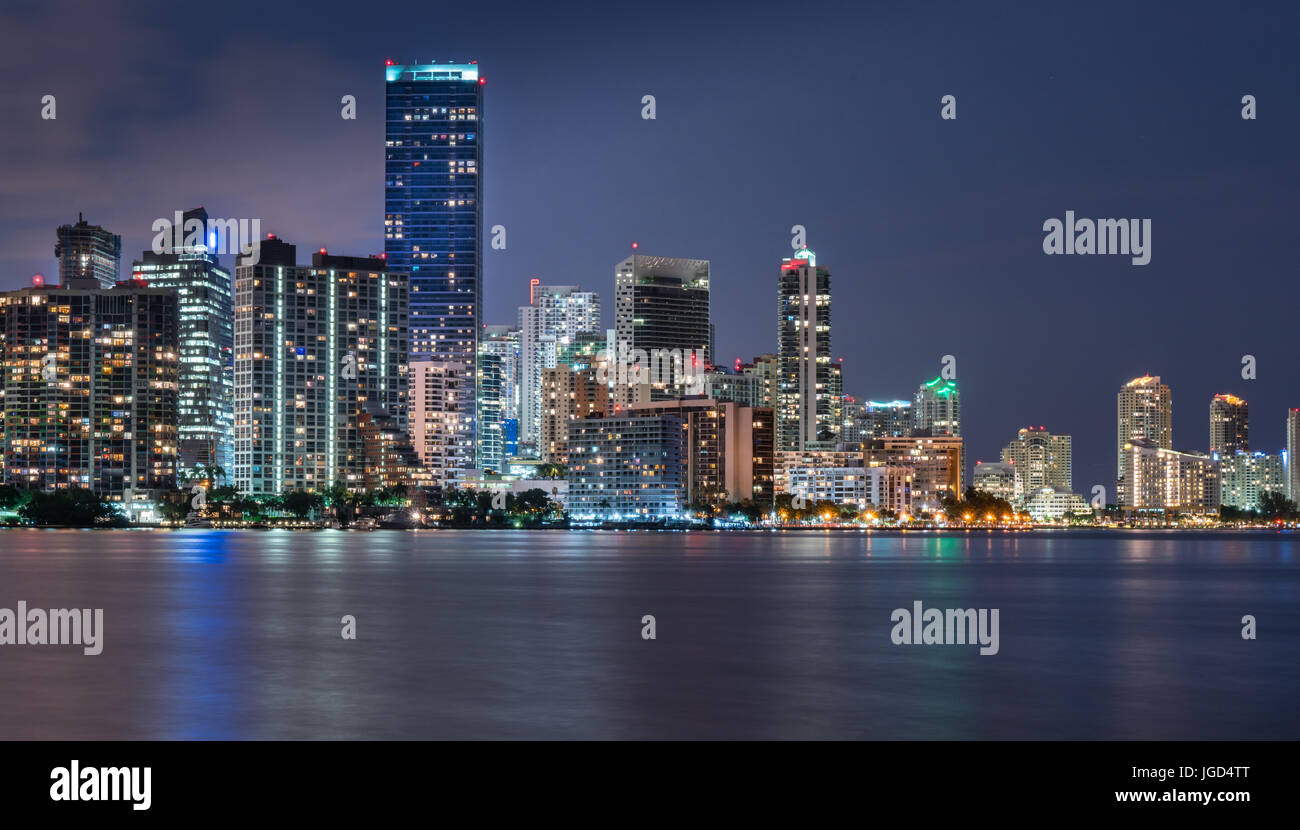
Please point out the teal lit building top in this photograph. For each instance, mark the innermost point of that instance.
(432, 72)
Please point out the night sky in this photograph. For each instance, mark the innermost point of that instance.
(768, 115)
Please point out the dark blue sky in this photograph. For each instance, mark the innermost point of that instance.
(769, 115)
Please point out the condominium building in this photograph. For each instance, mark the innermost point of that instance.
(935, 463)
(555, 318)
(628, 468)
(90, 389)
(663, 337)
(808, 400)
(728, 448)
(996, 478)
(315, 347)
(937, 408)
(1039, 459)
(1157, 479)
(207, 384)
(88, 252)
(1229, 425)
(438, 429)
(1145, 413)
(1247, 476)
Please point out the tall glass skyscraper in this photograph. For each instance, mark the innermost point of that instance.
(433, 208)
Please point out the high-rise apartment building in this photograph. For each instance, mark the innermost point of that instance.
(433, 209)
(315, 347)
(87, 251)
(936, 408)
(207, 342)
(437, 414)
(628, 468)
(1229, 425)
(1161, 480)
(1039, 459)
(499, 345)
(89, 389)
(1292, 447)
(556, 317)
(807, 401)
(1146, 413)
(1247, 476)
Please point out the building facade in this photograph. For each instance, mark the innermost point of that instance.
(90, 389)
(315, 347)
(433, 210)
(437, 419)
(1247, 476)
(556, 317)
(1039, 459)
(205, 292)
(628, 469)
(1155, 479)
(1229, 425)
(807, 402)
(1145, 413)
(663, 337)
(88, 252)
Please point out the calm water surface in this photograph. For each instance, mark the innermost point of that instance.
(517, 634)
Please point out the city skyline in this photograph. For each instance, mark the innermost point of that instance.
(906, 253)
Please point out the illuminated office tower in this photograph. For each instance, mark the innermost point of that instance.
(315, 347)
(433, 209)
(89, 389)
(1229, 425)
(1145, 413)
(207, 342)
(88, 251)
(805, 411)
(663, 339)
(937, 408)
(555, 317)
(1039, 459)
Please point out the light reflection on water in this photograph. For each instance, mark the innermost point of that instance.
(503, 634)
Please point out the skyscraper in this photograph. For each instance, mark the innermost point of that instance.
(438, 390)
(554, 319)
(937, 407)
(1292, 446)
(88, 251)
(433, 209)
(207, 381)
(89, 388)
(661, 324)
(1229, 425)
(1146, 413)
(498, 396)
(315, 347)
(805, 411)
